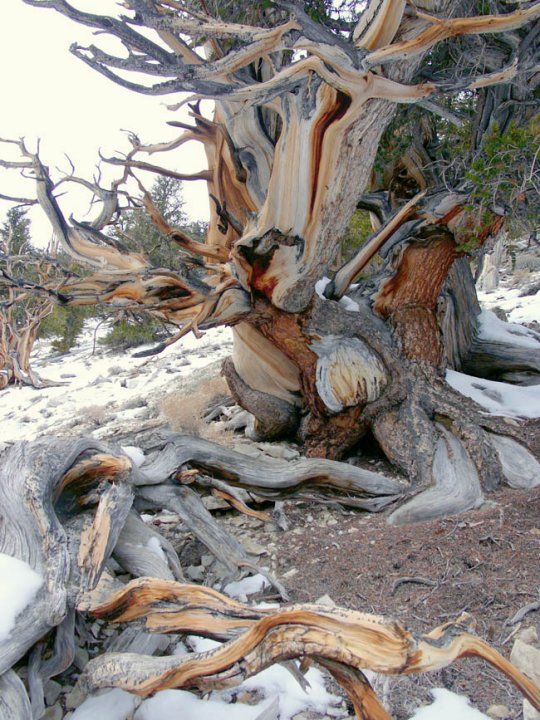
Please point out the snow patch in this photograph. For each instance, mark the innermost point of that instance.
(201, 644)
(498, 398)
(346, 302)
(519, 308)
(277, 682)
(448, 706)
(248, 586)
(135, 454)
(112, 705)
(176, 704)
(19, 584)
(491, 328)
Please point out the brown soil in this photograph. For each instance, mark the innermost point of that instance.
(483, 562)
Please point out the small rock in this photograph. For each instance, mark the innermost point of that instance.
(247, 450)
(134, 403)
(67, 375)
(325, 600)
(528, 635)
(279, 451)
(213, 503)
(527, 659)
(331, 521)
(74, 698)
(290, 573)
(52, 690)
(336, 712)
(254, 547)
(499, 712)
(195, 572)
(53, 713)
(81, 658)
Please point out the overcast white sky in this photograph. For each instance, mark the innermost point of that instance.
(48, 93)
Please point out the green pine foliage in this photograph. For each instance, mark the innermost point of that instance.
(139, 234)
(64, 326)
(18, 225)
(505, 174)
(130, 332)
(357, 233)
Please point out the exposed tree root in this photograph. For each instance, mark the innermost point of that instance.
(354, 640)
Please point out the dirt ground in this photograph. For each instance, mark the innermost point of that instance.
(483, 562)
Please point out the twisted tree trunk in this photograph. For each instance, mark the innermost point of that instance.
(299, 114)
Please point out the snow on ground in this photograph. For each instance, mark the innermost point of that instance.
(111, 705)
(491, 328)
(277, 686)
(248, 586)
(18, 587)
(498, 398)
(176, 704)
(97, 380)
(283, 697)
(448, 706)
(519, 309)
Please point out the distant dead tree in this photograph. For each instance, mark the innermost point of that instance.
(24, 303)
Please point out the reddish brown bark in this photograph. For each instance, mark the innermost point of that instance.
(409, 299)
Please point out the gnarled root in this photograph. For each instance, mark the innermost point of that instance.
(258, 638)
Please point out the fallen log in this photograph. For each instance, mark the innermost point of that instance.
(257, 638)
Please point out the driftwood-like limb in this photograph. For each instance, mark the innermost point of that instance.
(440, 30)
(263, 475)
(141, 550)
(519, 466)
(188, 505)
(353, 639)
(14, 702)
(346, 275)
(42, 486)
(40, 670)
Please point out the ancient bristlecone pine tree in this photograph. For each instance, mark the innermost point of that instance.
(301, 100)
(302, 95)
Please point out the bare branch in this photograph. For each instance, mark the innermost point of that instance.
(443, 29)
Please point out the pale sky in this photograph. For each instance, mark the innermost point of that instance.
(50, 94)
